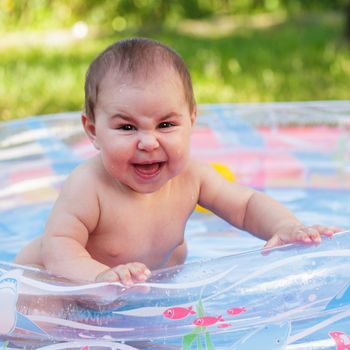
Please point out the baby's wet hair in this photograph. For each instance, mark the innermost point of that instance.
(135, 57)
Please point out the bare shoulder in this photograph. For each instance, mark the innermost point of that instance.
(197, 169)
(79, 196)
(87, 169)
(197, 176)
(192, 175)
(84, 175)
(82, 186)
(202, 172)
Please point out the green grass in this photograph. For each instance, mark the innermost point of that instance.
(293, 59)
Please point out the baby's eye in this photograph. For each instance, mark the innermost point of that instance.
(165, 125)
(126, 127)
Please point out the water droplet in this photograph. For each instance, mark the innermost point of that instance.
(312, 297)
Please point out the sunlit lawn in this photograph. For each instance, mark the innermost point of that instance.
(271, 59)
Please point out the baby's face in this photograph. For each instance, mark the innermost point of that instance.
(143, 129)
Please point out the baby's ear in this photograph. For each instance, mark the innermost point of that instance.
(193, 115)
(89, 127)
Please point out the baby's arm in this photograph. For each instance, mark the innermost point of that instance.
(270, 220)
(75, 215)
(254, 211)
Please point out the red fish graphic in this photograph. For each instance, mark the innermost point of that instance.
(176, 313)
(236, 310)
(207, 320)
(342, 340)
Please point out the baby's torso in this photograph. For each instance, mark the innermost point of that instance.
(147, 228)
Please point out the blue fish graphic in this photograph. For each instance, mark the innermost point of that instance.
(8, 300)
(341, 299)
(24, 323)
(11, 318)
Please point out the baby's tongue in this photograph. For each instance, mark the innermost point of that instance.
(147, 169)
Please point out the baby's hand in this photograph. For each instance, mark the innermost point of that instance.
(299, 233)
(126, 274)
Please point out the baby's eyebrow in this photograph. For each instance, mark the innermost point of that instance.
(170, 115)
(162, 117)
(122, 116)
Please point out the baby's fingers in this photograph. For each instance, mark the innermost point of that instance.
(139, 271)
(327, 230)
(107, 276)
(125, 274)
(120, 273)
(308, 235)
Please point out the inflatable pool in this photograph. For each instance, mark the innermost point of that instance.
(228, 295)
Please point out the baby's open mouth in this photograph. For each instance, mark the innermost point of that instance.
(148, 169)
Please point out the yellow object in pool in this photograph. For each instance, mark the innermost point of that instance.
(226, 173)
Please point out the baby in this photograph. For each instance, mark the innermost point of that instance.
(123, 213)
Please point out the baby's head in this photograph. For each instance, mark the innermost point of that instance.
(139, 113)
(136, 58)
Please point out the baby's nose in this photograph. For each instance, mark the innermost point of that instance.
(147, 142)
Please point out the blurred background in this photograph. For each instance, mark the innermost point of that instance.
(236, 50)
